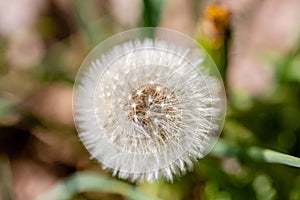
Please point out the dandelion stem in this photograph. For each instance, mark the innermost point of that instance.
(224, 148)
(87, 181)
(151, 12)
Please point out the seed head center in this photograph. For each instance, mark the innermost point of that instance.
(153, 107)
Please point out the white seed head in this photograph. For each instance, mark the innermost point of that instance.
(147, 108)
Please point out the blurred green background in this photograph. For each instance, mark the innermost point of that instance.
(256, 45)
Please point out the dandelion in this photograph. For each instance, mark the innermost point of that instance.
(148, 103)
(214, 25)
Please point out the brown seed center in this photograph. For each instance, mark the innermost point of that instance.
(155, 108)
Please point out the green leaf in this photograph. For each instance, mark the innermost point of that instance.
(6, 107)
(88, 181)
(224, 148)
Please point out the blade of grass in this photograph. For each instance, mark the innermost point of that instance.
(92, 27)
(82, 21)
(88, 181)
(224, 148)
(6, 178)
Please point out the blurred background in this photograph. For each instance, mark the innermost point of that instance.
(256, 45)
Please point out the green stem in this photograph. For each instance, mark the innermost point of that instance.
(224, 148)
(87, 181)
(151, 12)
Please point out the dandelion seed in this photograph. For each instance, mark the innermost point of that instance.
(163, 112)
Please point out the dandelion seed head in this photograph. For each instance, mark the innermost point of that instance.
(148, 108)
